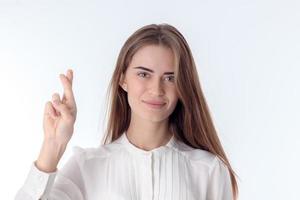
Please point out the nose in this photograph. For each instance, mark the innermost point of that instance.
(157, 88)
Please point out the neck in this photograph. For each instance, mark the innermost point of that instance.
(148, 135)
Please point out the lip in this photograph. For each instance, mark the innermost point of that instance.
(155, 104)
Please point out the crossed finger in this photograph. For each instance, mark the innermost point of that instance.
(67, 80)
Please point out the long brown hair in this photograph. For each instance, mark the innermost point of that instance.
(191, 121)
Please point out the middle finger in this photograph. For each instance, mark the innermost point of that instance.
(68, 93)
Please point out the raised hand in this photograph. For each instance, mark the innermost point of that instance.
(58, 125)
(60, 114)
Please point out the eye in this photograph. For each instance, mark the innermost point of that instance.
(142, 74)
(170, 78)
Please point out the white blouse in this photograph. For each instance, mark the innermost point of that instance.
(122, 171)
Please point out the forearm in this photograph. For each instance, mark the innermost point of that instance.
(49, 156)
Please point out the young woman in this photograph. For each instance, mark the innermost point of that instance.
(160, 142)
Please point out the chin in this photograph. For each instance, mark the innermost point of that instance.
(154, 117)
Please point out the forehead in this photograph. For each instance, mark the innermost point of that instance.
(156, 57)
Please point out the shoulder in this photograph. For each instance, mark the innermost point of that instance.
(196, 156)
(83, 154)
(202, 162)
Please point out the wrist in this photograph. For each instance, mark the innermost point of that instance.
(50, 154)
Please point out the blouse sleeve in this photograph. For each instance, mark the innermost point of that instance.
(64, 184)
(219, 185)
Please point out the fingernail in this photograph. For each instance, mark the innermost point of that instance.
(56, 102)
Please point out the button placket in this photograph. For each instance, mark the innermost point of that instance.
(148, 178)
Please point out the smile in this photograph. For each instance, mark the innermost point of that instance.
(154, 105)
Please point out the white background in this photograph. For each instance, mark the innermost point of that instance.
(247, 56)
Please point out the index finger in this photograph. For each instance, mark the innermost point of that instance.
(70, 75)
(68, 95)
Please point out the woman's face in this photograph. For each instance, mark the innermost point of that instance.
(149, 82)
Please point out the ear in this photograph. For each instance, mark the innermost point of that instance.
(123, 82)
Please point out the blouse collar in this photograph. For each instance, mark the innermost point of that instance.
(132, 148)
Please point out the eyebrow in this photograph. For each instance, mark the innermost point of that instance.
(150, 70)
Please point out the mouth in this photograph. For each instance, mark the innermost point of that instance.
(155, 104)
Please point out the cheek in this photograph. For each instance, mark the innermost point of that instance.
(136, 88)
(173, 94)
